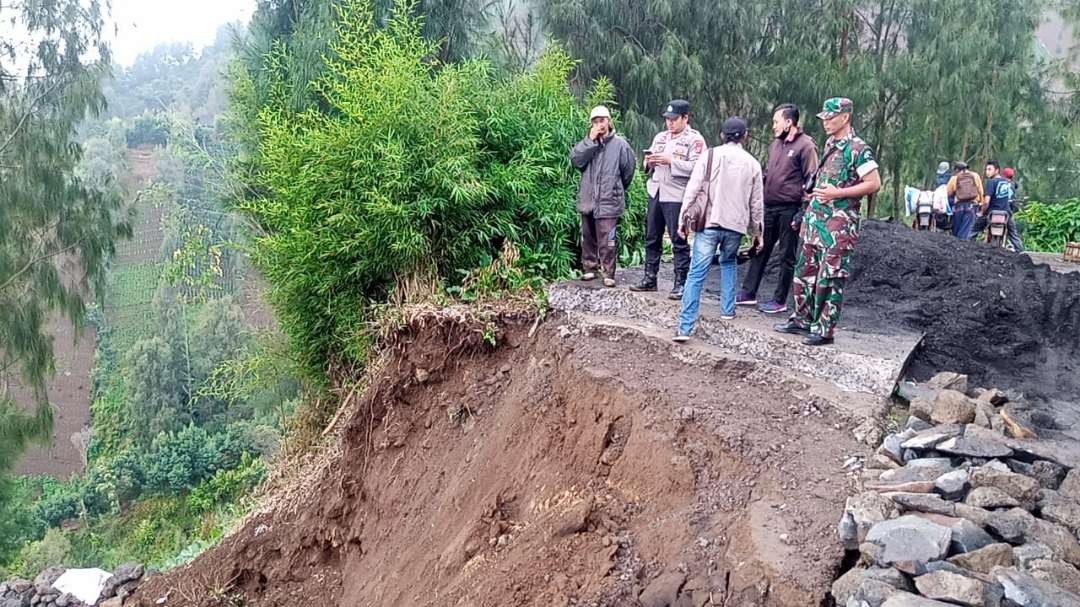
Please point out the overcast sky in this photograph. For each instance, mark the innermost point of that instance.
(144, 24)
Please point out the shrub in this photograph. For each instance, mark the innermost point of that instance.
(20, 522)
(227, 485)
(1048, 227)
(148, 129)
(178, 461)
(59, 503)
(415, 169)
(50, 551)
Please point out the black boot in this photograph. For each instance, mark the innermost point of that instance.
(648, 283)
(792, 328)
(676, 291)
(817, 340)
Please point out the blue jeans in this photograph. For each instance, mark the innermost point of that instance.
(705, 245)
(963, 220)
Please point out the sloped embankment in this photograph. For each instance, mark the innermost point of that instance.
(580, 466)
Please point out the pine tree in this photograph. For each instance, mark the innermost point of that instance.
(55, 230)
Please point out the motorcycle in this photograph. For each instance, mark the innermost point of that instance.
(929, 207)
(924, 214)
(997, 228)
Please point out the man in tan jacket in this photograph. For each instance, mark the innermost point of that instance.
(736, 206)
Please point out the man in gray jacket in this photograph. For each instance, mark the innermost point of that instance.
(607, 167)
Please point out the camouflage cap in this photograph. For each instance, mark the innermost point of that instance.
(835, 106)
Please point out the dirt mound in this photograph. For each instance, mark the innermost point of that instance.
(585, 465)
(986, 312)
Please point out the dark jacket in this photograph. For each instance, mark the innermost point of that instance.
(787, 169)
(607, 168)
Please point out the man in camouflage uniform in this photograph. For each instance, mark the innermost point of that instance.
(830, 226)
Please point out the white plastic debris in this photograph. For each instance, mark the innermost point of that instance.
(83, 584)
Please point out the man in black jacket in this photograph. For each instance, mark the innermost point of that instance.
(792, 161)
(607, 166)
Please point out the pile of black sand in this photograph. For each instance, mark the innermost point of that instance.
(992, 314)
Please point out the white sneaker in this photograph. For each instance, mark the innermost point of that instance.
(609, 282)
(680, 338)
(727, 317)
(588, 276)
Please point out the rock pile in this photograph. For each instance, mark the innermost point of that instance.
(955, 510)
(41, 593)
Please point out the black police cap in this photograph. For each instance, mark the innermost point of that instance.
(676, 108)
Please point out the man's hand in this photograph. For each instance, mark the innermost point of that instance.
(757, 242)
(681, 230)
(796, 221)
(597, 131)
(827, 192)
(655, 159)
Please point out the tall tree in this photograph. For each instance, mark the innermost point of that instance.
(156, 394)
(55, 230)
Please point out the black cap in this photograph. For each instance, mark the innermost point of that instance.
(676, 108)
(734, 128)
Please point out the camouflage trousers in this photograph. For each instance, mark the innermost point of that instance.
(828, 238)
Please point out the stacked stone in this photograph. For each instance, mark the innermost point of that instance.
(40, 592)
(957, 510)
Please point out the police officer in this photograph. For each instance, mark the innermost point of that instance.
(668, 162)
(830, 226)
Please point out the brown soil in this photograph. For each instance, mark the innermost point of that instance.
(549, 471)
(69, 394)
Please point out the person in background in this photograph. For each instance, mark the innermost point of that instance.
(792, 160)
(943, 218)
(830, 226)
(943, 174)
(998, 196)
(736, 205)
(1014, 207)
(668, 162)
(607, 166)
(999, 191)
(967, 187)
